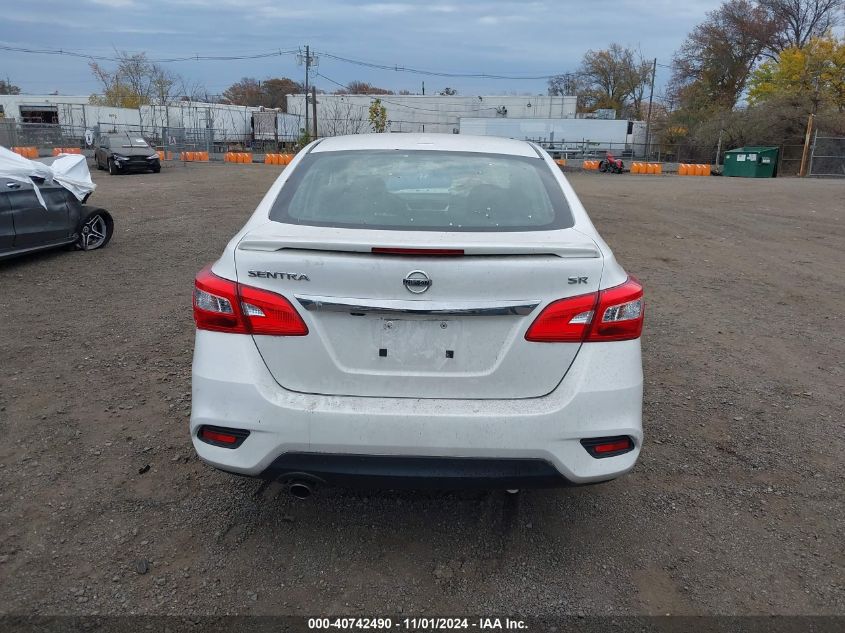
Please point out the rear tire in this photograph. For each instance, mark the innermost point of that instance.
(603, 166)
(95, 229)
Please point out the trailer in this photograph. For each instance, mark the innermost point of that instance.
(566, 137)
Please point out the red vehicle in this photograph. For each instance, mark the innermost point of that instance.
(611, 164)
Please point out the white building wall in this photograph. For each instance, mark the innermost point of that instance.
(562, 135)
(349, 114)
(229, 122)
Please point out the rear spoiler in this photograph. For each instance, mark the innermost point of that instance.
(567, 250)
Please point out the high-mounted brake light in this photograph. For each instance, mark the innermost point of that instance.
(221, 305)
(614, 314)
(443, 252)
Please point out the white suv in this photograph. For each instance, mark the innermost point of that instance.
(409, 310)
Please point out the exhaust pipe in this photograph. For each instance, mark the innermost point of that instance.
(300, 489)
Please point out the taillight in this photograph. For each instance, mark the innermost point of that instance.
(269, 313)
(564, 321)
(221, 305)
(614, 314)
(619, 316)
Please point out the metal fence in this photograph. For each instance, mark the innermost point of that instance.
(827, 156)
(14, 134)
(657, 153)
(789, 160)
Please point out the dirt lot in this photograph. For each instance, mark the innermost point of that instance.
(735, 507)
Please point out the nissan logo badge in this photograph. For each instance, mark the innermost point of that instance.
(417, 282)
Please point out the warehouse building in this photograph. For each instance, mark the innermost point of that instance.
(349, 114)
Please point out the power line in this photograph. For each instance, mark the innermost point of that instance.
(432, 73)
(164, 60)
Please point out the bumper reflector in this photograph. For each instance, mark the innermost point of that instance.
(218, 436)
(600, 447)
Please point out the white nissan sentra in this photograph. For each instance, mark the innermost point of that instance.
(407, 310)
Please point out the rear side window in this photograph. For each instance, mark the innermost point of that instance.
(423, 190)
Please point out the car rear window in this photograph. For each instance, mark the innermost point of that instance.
(422, 190)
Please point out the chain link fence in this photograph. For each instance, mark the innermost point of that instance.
(828, 156)
(656, 153)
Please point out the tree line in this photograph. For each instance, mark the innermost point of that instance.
(135, 80)
(751, 72)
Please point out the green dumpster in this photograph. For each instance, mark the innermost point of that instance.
(751, 162)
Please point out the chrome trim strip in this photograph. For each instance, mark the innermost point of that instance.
(420, 308)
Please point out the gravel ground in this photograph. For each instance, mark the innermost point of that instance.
(736, 506)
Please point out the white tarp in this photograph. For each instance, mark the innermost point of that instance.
(68, 170)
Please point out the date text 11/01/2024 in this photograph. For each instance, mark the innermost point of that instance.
(417, 624)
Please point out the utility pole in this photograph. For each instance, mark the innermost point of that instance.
(719, 148)
(308, 60)
(650, 101)
(805, 155)
(314, 108)
(307, 68)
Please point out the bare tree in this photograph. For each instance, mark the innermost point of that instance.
(799, 20)
(569, 85)
(136, 81)
(338, 117)
(712, 67)
(615, 77)
(8, 88)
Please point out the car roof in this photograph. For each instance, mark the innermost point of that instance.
(438, 142)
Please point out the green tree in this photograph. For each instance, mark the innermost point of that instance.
(378, 116)
(815, 71)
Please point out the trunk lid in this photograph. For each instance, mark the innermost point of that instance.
(459, 335)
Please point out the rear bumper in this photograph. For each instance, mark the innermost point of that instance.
(383, 471)
(601, 396)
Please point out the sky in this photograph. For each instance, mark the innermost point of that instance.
(500, 37)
